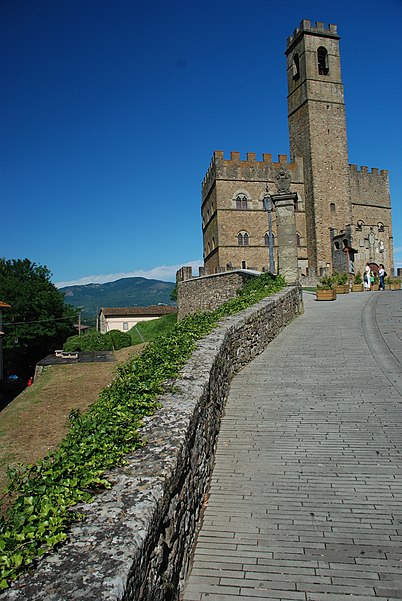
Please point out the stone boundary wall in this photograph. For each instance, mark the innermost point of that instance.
(206, 293)
(136, 541)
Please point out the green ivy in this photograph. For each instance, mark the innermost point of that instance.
(98, 440)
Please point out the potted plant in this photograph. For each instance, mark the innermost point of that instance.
(358, 283)
(325, 290)
(341, 283)
(392, 283)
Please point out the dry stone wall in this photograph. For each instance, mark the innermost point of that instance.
(208, 292)
(136, 541)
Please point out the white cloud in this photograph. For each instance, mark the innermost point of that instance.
(163, 272)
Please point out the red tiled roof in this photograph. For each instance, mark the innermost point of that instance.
(153, 311)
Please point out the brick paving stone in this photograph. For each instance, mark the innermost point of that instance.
(306, 496)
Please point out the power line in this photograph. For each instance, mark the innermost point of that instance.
(16, 323)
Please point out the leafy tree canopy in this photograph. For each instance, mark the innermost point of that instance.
(38, 321)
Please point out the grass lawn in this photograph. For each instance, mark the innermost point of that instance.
(145, 331)
(36, 421)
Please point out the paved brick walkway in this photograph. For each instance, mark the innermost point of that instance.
(306, 497)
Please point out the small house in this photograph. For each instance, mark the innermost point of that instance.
(124, 318)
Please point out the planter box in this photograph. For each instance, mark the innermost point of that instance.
(342, 289)
(325, 295)
(357, 288)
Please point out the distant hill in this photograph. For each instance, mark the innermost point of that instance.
(126, 292)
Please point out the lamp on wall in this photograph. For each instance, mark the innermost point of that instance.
(268, 207)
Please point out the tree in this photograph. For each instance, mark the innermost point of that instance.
(173, 294)
(38, 321)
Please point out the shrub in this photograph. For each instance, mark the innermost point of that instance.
(95, 341)
(117, 339)
(327, 283)
(340, 278)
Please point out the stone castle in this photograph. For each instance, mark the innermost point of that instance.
(336, 208)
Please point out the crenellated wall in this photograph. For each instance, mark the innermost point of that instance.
(250, 169)
(136, 541)
(369, 187)
(318, 28)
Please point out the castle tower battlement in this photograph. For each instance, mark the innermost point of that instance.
(318, 29)
(365, 169)
(370, 188)
(249, 169)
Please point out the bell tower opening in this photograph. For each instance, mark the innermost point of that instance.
(322, 58)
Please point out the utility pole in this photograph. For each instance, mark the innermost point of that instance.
(79, 320)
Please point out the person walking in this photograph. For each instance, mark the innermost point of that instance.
(367, 277)
(381, 274)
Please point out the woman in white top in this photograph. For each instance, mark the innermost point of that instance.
(367, 285)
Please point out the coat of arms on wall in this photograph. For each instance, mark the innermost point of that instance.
(283, 181)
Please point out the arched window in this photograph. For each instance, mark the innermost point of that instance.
(336, 244)
(298, 240)
(380, 227)
(296, 67)
(243, 265)
(241, 201)
(322, 58)
(266, 239)
(242, 239)
(359, 225)
(332, 207)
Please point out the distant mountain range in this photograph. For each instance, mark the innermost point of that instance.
(127, 292)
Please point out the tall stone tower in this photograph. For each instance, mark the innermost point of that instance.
(317, 129)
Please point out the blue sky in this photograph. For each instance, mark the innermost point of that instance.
(111, 111)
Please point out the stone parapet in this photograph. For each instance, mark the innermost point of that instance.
(209, 292)
(136, 541)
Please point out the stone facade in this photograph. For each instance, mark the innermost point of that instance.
(233, 194)
(332, 195)
(136, 541)
(372, 219)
